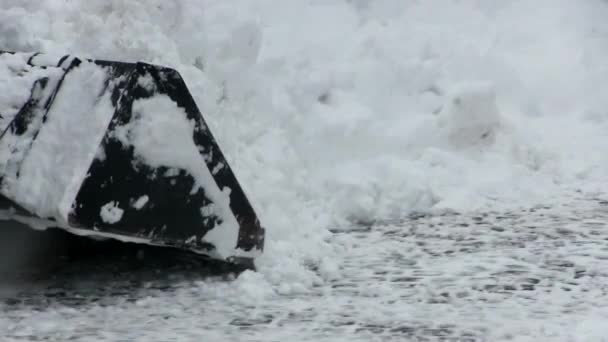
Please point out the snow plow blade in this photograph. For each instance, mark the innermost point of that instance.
(117, 150)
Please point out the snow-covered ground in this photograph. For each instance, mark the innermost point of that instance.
(335, 113)
(526, 275)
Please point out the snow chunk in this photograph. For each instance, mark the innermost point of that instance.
(217, 168)
(140, 202)
(110, 213)
(147, 82)
(471, 115)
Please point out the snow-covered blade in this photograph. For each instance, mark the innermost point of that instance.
(117, 150)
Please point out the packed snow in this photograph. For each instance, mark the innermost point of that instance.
(17, 80)
(162, 135)
(52, 172)
(141, 202)
(44, 174)
(111, 213)
(335, 113)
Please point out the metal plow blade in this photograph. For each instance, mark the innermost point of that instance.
(117, 150)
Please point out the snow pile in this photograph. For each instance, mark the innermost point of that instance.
(337, 111)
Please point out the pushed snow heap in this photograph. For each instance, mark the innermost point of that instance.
(118, 150)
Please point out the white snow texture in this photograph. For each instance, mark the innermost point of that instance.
(57, 161)
(161, 135)
(111, 213)
(332, 112)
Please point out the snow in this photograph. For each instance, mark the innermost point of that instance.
(400, 281)
(158, 127)
(336, 112)
(17, 92)
(470, 116)
(111, 213)
(140, 202)
(17, 83)
(53, 169)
